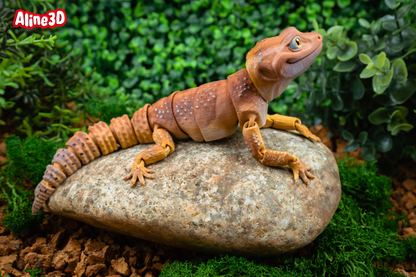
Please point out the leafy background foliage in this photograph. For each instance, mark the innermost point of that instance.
(37, 82)
(364, 84)
(147, 50)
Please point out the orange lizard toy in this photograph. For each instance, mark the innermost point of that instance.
(206, 113)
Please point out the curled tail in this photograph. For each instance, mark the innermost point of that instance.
(82, 148)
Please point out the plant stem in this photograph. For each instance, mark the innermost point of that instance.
(20, 43)
(407, 54)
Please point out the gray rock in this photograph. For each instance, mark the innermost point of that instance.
(212, 197)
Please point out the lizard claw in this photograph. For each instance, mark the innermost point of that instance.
(301, 169)
(139, 172)
(306, 133)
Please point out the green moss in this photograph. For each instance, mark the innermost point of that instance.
(358, 236)
(28, 158)
(19, 218)
(371, 191)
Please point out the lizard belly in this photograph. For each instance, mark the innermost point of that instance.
(214, 110)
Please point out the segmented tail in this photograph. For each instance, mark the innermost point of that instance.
(82, 148)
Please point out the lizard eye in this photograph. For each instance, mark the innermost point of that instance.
(296, 43)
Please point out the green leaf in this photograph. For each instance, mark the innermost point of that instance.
(375, 27)
(365, 59)
(332, 52)
(401, 127)
(347, 66)
(383, 141)
(386, 64)
(347, 135)
(400, 70)
(343, 3)
(390, 25)
(402, 110)
(357, 88)
(370, 65)
(368, 152)
(334, 33)
(363, 137)
(315, 25)
(403, 11)
(351, 146)
(377, 84)
(48, 115)
(379, 116)
(390, 3)
(403, 91)
(385, 78)
(11, 84)
(380, 60)
(349, 51)
(364, 23)
(367, 73)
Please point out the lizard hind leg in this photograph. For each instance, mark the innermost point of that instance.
(163, 147)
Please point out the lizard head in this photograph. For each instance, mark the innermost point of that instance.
(274, 62)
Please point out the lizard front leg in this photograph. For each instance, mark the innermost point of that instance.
(164, 146)
(254, 141)
(282, 122)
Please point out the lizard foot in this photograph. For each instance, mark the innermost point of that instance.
(301, 169)
(305, 132)
(138, 171)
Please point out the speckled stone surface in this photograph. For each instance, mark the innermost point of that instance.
(212, 197)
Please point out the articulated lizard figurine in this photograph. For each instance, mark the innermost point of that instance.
(206, 113)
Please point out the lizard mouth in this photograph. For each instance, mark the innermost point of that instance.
(312, 55)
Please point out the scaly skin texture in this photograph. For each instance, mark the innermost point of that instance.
(206, 113)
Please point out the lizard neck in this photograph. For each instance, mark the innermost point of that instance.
(246, 74)
(246, 98)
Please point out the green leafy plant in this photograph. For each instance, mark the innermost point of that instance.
(359, 238)
(19, 218)
(38, 83)
(363, 86)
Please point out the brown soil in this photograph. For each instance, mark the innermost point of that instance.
(64, 247)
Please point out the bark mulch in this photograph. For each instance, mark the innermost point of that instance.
(65, 247)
